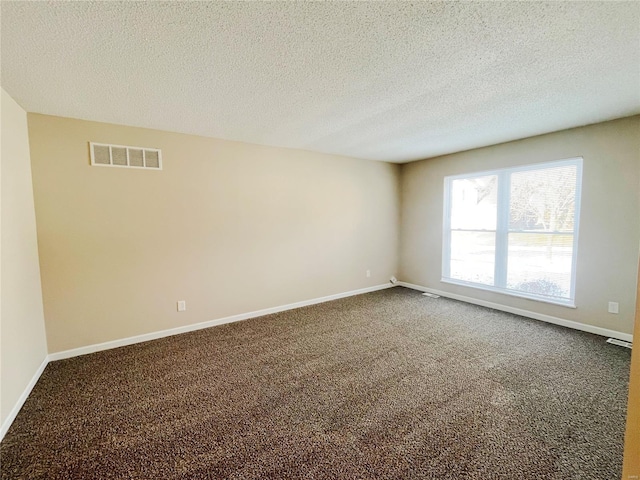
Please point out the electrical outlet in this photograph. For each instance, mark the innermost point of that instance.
(368, 273)
(613, 307)
(182, 305)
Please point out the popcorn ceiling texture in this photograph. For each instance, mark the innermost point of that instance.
(388, 81)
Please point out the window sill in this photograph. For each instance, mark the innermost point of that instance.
(510, 293)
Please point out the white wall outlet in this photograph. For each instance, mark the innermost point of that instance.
(182, 305)
(393, 280)
(368, 273)
(613, 307)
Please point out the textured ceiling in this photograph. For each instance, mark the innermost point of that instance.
(389, 81)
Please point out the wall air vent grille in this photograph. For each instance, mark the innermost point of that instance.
(105, 155)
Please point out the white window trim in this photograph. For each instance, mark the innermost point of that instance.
(502, 230)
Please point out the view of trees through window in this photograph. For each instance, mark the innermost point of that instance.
(514, 229)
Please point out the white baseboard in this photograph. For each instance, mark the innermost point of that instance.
(211, 323)
(23, 398)
(166, 333)
(258, 313)
(525, 313)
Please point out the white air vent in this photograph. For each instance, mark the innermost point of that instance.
(432, 295)
(620, 343)
(105, 155)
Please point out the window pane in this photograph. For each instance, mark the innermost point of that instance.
(543, 199)
(473, 256)
(540, 264)
(474, 203)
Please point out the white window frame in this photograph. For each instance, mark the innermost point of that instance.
(502, 230)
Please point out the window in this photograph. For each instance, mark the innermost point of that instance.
(514, 230)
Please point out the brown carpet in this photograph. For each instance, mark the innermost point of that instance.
(386, 385)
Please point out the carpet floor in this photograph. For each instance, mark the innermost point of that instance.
(387, 385)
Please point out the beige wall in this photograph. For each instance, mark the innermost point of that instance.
(22, 331)
(232, 228)
(228, 227)
(609, 222)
